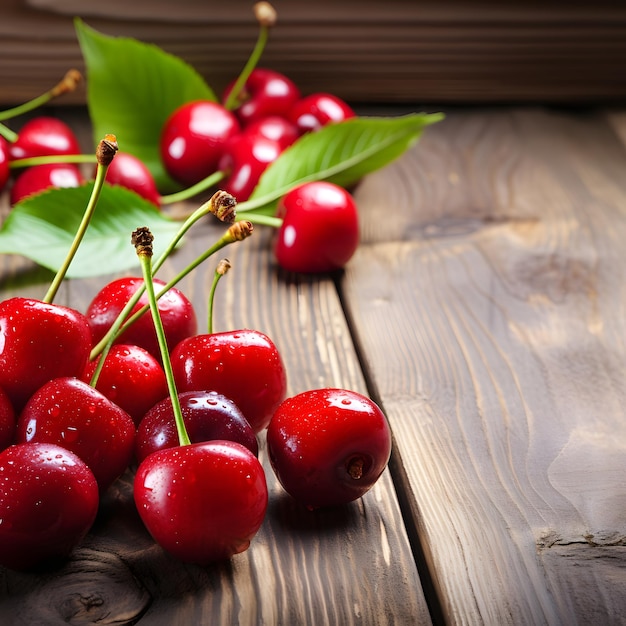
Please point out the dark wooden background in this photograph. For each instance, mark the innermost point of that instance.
(450, 51)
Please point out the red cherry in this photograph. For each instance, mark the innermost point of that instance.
(70, 413)
(7, 421)
(131, 377)
(328, 446)
(202, 502)
(265, 93)
(318, 109)
(38, 342)
(193, 138)
(177, 313)
(243, 365)
(320, 229)
(130, 172)
(44, 136)
(5, 172)
(245, 159)
(38, 178)
(275, 128)
(208, 415)
(48, 501)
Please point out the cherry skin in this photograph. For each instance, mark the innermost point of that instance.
(70, 413)
(202, 502)
(208, 415)
(131, 377)
(243, 365)
(5, 172)
(177, 313)
(245, 159)
(44, 136)
(130, 172)
(40, 178)
(328, 446)
(320, 229)
(275, 128)
(38, 342)
(265, 93)
(192, 140)
(48, 502)
(7, 421)
(318, 109)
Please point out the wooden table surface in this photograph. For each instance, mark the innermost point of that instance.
(484, 311)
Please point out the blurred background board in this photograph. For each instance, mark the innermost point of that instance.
(365, 51)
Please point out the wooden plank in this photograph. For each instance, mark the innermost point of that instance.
(350, 565)
(488, 304)
(396, 51)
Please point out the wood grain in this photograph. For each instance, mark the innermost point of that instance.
(364, 51)
(489, 309)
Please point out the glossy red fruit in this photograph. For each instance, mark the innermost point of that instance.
(208, 415)
(328, 446)
(320, 229)
(202, 502)
(193, 138)
(70, 413)
(177, 314)
(245, 159)
(243, 365)
(48, 502)
(318, 109)
(275, 128)
(7, 421)
(39, 178)
(44, 136)
(5, 172)
(131, 377)
(265, 93)
(38, 342)
(130, 172)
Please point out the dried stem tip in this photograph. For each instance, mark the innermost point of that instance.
(67, 84)
(142, 239)
(223, 266)
(106, 150)
(240, 230)
(222, 205)
(265, 14)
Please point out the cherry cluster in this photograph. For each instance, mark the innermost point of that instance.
(205, 141)
(182, 410)
(130, 385)
(241, 139)
(208, 144)
(48, 138)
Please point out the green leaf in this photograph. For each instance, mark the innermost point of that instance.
(341, 153)
(132, 88)
(42, 228)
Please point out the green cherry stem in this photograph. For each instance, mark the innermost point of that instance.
(194, 190)
(142, 240)
(111, 335)
(104, 154)
(222, 267)
(237, 232)
(67, 84)
(266, 17)
(8, 134)
(260, 219)
(53, 158)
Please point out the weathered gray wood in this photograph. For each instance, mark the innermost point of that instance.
(488, 301)
(364, 51)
